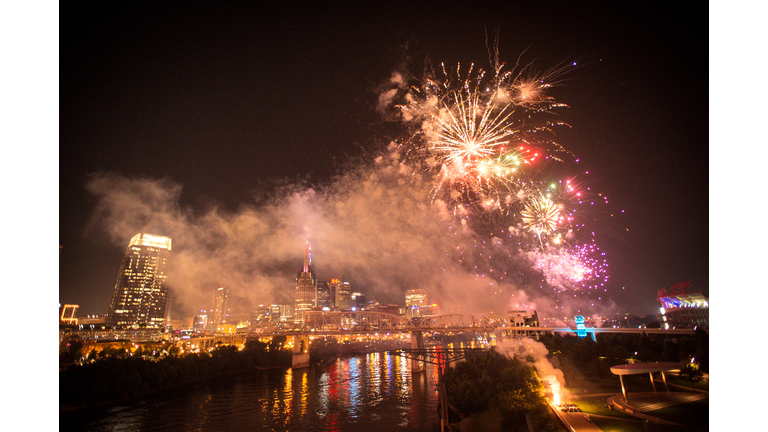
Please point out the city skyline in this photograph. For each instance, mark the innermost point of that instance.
(306, 297)
(193, 134)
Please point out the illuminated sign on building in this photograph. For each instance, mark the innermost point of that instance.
(151, 240)
(580, 328)
(68, 313)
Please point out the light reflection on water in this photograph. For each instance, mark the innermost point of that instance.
(372, 392)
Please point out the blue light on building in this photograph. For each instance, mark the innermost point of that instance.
(580, 327)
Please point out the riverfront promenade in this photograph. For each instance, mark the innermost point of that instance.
(639, 405)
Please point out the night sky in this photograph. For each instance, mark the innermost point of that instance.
(226, 101)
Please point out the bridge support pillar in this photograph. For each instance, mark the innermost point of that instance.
(623, 390)
(300, 351)
(417, 342)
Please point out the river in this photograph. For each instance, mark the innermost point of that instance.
(369, 392)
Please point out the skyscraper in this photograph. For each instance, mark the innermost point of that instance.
(141, 289)
(306, 287)
(219, 309)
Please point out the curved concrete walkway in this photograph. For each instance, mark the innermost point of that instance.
(637, 404)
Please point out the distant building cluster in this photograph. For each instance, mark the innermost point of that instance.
(313, 295)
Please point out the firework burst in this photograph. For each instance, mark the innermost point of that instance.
(541, 216)
(581, 267)
(483, 138)
(486, 142)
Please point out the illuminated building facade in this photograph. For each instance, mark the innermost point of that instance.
(683, 307)
(392, 309)
(219, 309)
(141, 290)
(341, 294)
(275, 314)
(523, 318)
(282, 313)
(323, 299)
(260, 315)
(416, 302)
(306, 288)
(200, 322)
(358, 301)
(430, 310)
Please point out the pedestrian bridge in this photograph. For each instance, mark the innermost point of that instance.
(591, 331)
(355, 322)
(347, 322)
(209, 342)
(359, 322)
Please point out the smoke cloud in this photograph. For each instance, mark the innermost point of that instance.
(535, 352)
(372, 226)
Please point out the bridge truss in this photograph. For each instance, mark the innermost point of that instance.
(367, 321)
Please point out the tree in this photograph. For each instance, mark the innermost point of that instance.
(277, 343)
(671, 351)
(71, 351)
(255, 345)
(702, 349)
(691, 373)
(324, 348)
(497, 387)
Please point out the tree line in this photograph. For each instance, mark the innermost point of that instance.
(117, 374)
(594, 359)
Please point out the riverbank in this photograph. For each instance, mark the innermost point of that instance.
(320, 360)
(168, 389)
(115, 379)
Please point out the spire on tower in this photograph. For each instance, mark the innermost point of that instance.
(306, 259)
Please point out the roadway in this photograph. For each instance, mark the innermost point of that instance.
(577, 421)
